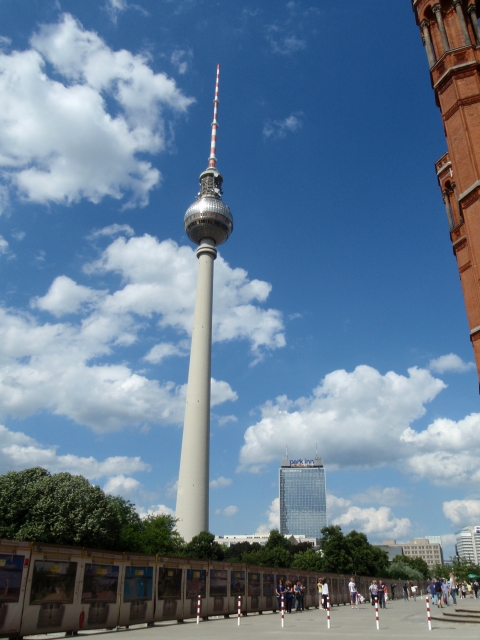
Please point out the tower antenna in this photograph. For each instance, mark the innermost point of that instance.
(316, 451)
(212, 161)
(286, 452)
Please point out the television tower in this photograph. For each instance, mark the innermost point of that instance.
(208, 223)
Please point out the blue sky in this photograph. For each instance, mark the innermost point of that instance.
(338, 319)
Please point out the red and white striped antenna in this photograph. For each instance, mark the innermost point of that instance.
(212, 161)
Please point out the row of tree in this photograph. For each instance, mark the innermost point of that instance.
(64, 509)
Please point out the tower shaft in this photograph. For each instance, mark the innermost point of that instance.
(193, 481)
(451, 36)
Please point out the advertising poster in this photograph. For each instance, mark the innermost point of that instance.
(196, 583)
(138, 584)
(170, 583)
(237, 583)
(254, 584)
(53, 582)
(268, 584)
(11, 568)
(218, 582)
(100, 583)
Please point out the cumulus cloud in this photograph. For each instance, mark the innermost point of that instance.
(336, 506)
(122, 486)
(19, 451)
(284, 42)
(155, 510)
(159, 352)
(450, 363)
(112, 230)
(60, 140)
(228, 511)
(377, 523)
(220, 482)
(276, 129)
(462, 512)
(66, 296)
(345, 414)
(273, 515)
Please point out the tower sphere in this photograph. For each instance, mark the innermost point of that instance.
(208, 216)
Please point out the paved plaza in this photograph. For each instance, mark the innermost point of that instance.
(399, 620)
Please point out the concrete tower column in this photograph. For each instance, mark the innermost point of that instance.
(461, 18)
(427, 41)
(472, 10)
(193, 481)
(437, 10)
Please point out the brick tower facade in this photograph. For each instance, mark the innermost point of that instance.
(451, 36)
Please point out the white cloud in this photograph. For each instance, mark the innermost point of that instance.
(19, 451)
(155, 510)
(220, 482)
(446, 451)
(122, 486)
(58, 140)
(18, 235)
(3, 246)
(377, 523)
(159, 352)
(389, 496)
(112, 230)
(273, 514)
(450, 363)
(462, 512)
(228, 511)
(276, 129)
(115, 8)
(66, 296)
(223, 420)
(336, 506)
(345, 415)
(181, 59)
(282, 42)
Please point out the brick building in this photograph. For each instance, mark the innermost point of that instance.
(451, 35)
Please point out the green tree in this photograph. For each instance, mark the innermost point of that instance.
(415, 563)
(61, 509)
(366, 559)
(309, 560)
(157, 534)
(203, 547)
(336, 552)
(460, 569)
(400, 570)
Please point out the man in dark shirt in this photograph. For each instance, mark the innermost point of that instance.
(381, 594)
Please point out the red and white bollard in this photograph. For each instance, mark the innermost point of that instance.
(199, 606)
(239, 609)
(429, 617)
(328, 612)
(283, 610)
(376, 614)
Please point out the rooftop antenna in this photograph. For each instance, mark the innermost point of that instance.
(212, 161)
(286, 452)
(316, 451)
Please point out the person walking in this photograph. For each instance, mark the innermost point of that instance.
(432, 592)
(319, 589)
(352, 587)
(324, 594)
(381, 594)
(281, 591)
(298, 592)
(392, 587)
(405, 591)
(438, 592)
(373, 592)
(453, 588)
(475, 588)
(288, 596)
(445, 591)
(414, 592)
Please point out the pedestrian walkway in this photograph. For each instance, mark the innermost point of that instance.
(406, 620)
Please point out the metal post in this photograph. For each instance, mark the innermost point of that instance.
(377, 620)
(239, 609)
(199, 606)
(283, 610)
(429, 617)
(328, 612)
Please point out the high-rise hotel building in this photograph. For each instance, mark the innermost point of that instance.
(303, 497)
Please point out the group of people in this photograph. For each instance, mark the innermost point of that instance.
(441, 589)
(291, 592)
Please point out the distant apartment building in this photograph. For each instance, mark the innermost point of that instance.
(468, 543)
(260, 538)
(429, 549)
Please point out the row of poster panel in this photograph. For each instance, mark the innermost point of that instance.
(47, 589)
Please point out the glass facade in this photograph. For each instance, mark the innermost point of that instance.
(303, 498)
